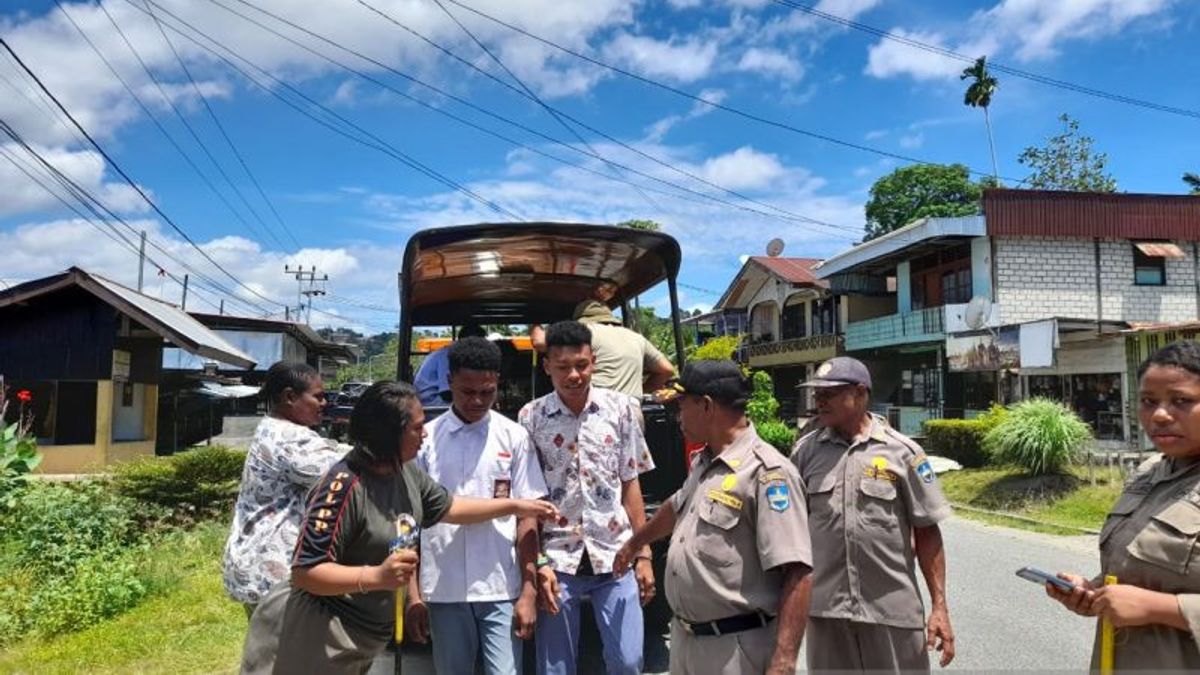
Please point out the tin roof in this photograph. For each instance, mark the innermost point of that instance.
(1051, 213)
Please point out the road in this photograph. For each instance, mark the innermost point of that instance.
(1002, 622)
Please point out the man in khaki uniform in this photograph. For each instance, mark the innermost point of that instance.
(873, 507)
(738, 568)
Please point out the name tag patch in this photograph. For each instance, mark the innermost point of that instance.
(778, 497)
(725, 498)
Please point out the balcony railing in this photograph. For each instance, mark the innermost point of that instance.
(827, 344)
(919, 326)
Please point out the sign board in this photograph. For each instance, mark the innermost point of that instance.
(120, 365)
(988, 351)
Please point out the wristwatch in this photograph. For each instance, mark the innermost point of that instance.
(542, 560)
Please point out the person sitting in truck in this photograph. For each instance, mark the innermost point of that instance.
(433, 377)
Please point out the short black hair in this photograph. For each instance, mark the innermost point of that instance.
(283, 375)
(723, 381)
(380, 417)
(471, 330)
(474, 353)
(1184, 354)
(568, 334)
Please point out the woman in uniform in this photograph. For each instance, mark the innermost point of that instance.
(338, 613)
(1149, 540)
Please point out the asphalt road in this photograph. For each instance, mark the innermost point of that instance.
(1002, 622)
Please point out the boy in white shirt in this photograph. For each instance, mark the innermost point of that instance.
(477, 582)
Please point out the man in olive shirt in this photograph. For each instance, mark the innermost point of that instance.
(738, 568)
(873, 509)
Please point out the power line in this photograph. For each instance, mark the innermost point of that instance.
(564, 115)
(116, 167)
(379, 143)
(506, 120)
(708, 102)
(154, 118)
(225, 135)
(1009, 70)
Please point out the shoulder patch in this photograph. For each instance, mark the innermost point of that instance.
(778, 496)
(924, 470)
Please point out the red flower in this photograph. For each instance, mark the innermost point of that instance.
(24, 396)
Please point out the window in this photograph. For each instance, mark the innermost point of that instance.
(1148, 270)
(956, 286)
(793, 321)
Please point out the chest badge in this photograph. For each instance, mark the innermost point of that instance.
(729, 482)
(778, 497)
(879, 469)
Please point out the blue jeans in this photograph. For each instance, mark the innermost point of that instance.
(461, 630)
(618, 616)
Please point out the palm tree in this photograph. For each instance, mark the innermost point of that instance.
(1193, 181)
(979, 95)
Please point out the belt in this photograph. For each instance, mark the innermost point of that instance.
(728, 625)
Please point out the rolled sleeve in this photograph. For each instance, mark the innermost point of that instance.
(1189, 607)
(782, 532)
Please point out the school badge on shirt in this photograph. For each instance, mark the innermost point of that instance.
(777, 496)
(923, 468)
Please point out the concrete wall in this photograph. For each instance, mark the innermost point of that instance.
(1045, 277)
(104, 451)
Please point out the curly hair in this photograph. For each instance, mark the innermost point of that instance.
(568, 334)
(283, 375)
(474, 353)
(1184, 354)
(380, 417)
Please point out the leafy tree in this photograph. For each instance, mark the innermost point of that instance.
(648, 225)
(717, 348)
(979, 95)
(920, 191)
(1193, 182)
(1068, 162)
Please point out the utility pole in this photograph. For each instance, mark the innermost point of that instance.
(183, 304)
(141, 261)
(316, 286)
(222, 310)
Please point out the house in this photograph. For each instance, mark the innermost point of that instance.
(90, 352)
(790, 323)
(1033, 298)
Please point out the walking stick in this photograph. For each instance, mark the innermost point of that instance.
(1107, 641)
(408, 535)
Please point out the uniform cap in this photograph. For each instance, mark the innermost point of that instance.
(594, 311)
(839, 372)
(722, 381)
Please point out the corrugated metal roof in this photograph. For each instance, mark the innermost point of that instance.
(794, 270)
(167, 320)
(1048, 213)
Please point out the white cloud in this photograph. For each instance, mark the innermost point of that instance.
(875, 134)
(912, 141)
(1027, 29)
(681, 60)
(658, 130)
(84, 168)
(743, 169)
(770, 62)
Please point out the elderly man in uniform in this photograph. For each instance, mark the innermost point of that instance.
(873, 506)
(739, 563)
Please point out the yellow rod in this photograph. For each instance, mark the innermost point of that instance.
(1107, 641)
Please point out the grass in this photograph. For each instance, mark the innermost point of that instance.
(188, 625)
(1069, 500)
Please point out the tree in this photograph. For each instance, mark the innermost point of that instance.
(1068, 162)
(920, 191)
(1193, 182)
(979, 95)
(648, 225)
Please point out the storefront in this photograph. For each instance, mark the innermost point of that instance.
(1089, 377)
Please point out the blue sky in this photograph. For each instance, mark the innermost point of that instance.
(349, 209)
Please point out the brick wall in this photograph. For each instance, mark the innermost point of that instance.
(1044, 277)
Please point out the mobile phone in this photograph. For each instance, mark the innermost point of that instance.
(1042, 578)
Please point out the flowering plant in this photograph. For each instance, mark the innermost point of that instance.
(18, 448)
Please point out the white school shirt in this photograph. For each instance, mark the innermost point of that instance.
(476, 563)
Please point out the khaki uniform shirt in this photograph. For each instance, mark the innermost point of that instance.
(1149, 541)
(864, 499)
(622, 356)
(740, 517)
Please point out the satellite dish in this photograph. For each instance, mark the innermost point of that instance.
(775, 247)
(979, 309)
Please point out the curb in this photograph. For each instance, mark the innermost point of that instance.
(1033, 521)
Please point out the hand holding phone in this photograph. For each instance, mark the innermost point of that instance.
(1042, 578)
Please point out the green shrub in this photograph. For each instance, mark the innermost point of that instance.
(1039, 435)
(101, 586)
(196, 484)
(777, 434)
(718, 348)
(18, 457)
(762, 407)
(959, 440)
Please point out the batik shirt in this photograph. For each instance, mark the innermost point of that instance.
(284, 461)
(585, 459)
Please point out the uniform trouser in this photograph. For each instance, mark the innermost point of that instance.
(841, 645)
(618, 616)
(461, 630)
(735, 654)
